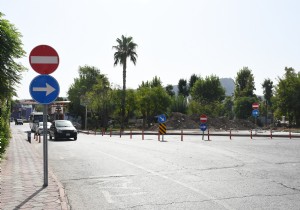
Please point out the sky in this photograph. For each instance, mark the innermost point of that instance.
(176, 38)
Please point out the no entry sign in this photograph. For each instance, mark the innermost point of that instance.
(255, 105)
(203, 118)
(44, 59)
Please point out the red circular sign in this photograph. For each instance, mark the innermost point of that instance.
(44, 59)
(255, 105)
(203, 118)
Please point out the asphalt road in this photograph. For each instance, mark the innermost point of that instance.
(122, 173)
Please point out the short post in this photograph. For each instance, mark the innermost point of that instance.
(271, 133)
(120, 133)
(230, 133)
(158, 136)
(39, 138)
(95, 131)
(29, 136)
(102, 131)
(110, 133)
(251, 133)
(143, 134)
(208, 134)
(290, 134)
(181, 135)
(130, 133)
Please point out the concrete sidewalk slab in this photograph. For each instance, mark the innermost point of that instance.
(22, 179)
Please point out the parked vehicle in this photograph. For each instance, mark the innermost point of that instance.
(34, 119)
(40, 129)
(18, 121)
(62, 129)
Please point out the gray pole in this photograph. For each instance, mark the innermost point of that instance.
(45, 146)
(86, 117)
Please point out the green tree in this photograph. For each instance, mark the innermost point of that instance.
(152, 101)
(208, 90)
(183, 88)
(78, 91)
(244, 83)
(10, 74)
(244, 93)
(100, 101)
(170, 91)
(287, 96)
(178, 104)
(192, 81)
(267, 86)
(11, 49)
(126, 48)
(243, 107)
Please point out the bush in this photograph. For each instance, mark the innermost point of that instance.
(4, 132)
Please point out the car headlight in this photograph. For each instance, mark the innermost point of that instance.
(75, 131)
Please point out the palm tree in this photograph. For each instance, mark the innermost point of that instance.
(125, 48)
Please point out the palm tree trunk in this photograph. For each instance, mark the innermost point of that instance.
(123, 97)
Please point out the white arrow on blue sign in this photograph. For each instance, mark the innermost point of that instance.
(44, 89)
(203, 126)
(255, 113)
(162, 118)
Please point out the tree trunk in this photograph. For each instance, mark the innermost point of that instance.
(123, 97)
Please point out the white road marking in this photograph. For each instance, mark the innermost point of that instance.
(214, 199)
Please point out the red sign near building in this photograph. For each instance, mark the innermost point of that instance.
(203, 118)
(255, 105)
(44, 59)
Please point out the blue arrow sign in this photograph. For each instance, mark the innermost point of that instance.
(162, 118)
(255, 113)
(44, 89)
(203, 126)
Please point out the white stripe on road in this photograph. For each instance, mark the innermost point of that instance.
(214, 199)
(44, 59)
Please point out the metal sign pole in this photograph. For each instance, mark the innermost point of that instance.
(45, 146)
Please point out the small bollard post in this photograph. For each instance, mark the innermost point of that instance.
(158, 136)
(143, 134)
(110, 133)
(251, 134)
(29, 136)
(39, 138)
(230, 134)
(130, 133)
(120, 133)
(181, 135)
(290, 134)
(271, 133)
(208, 135)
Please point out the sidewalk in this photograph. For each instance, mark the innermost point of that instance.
(22, 178)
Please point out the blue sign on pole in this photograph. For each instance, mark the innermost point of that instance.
(44, 89)
(203, 126)
(255, 112)
(162, 118)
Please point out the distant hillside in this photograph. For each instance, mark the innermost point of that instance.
(227, 84)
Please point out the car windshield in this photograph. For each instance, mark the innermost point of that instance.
(63, 124)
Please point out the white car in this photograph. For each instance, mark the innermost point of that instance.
(40, 128)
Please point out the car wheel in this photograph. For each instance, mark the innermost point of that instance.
(50, 137)
(55, 138)
(75, 138)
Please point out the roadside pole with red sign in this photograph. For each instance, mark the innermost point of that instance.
(44, 89)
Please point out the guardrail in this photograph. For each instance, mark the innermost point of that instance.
(230, 133)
